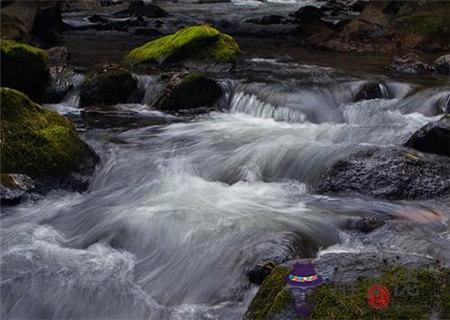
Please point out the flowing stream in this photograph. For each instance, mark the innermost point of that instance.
(177, 214)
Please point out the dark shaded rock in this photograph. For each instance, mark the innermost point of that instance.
(368, 91)
(267, 20)
(307, 14)
(388, 174)
(365, 225)
(189, 91)
(24, 68)
(14, 188)
(58, 55)
(122, 119)
(97, 19)
(442, 64)
(410, 64)
(109, 85)
(260, 272)
(433, 137)
(140, 8)
(42, 144)
(60, 82)
(148, 32)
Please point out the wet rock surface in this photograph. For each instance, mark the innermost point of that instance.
(14, 188)
(364, 225)
(442, 64)
(188, 91)
(391, 173)
(410, 64)
(433, 137)
(108, 85)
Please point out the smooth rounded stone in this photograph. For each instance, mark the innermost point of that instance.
(307, 14)
(387, 173)
(24, 68)
(43, 144)
(190, 91)
(111, 84)
(14, 188)
(368, 91)
(410, 64)
(364, 225)
(150, 10)
(433, 137)
(259, 273)
(442, 64)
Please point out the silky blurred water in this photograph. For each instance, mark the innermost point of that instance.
(177, 214)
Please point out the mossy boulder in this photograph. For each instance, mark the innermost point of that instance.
(190, 91)
(108, 85)
(272, 297)
(40, 143)
(414, 294)
(24, 68)
(195, 45)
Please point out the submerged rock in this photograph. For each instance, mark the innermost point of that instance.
(42, 144)
(193, 90)
(442, 64)
(14, 188)
(433, 137)
(197, 45)
(391, 173)
(109, 85)
(24, 68)
(410, 64)
(364, 225)
(267, 20)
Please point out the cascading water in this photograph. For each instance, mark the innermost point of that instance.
(175, 215)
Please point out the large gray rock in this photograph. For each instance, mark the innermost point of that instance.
(390, 173)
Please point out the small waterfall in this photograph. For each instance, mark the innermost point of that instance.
(250, 104)
(151, 86)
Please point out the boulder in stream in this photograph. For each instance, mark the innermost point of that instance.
(198, 47)
(388, 173)
(347, 279)
(42, 144)
(410, 64)
(433, 137)
(24, 68)
(149, 10)
(108, 85)
(190, 91)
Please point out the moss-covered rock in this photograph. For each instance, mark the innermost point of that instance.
(415, 293)
(24, 68)
(272, 297)
(109, 85)
(193, 90)
(38, 142)
(198, 44)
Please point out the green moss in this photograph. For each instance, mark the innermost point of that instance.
(24, 68)
(36, 141)
(272, 297)
(193, 43)
(414, 295)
